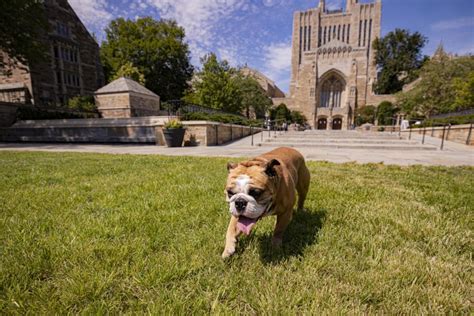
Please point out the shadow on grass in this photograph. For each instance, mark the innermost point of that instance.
(301, 233)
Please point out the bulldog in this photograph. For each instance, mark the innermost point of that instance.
(263, 186)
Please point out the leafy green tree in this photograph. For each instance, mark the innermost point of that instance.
(23, 24)
(298, 117)
(281, 112)
(385, 113)
(464, 92)
(130, 71)
(398, 56)
(365, 114)
(156, 48)
(254, 97)
(443, 86)
(217, 86)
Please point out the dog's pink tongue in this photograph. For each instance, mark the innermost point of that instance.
(245, 224)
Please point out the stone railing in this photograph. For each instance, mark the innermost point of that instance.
(123, 130)
(462, 134)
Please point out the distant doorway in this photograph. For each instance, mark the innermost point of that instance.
(337, 124)
(322, 123)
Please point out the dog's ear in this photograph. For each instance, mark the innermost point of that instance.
(270, 168)
(231, 165)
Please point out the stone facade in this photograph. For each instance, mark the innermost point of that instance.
(72, 66)
(333, 68)
(124, 98)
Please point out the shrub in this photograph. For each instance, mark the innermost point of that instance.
(454, 120)
(82, 104)
(35, 113)
(385, 113)
(365, 114)
(220, 117)
(173, 124)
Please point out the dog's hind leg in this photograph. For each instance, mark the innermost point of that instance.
(302, 186)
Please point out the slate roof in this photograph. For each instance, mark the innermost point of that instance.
(124, 84)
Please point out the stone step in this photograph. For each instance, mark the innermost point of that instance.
(285, 136)
(345, 140)
(396, 147)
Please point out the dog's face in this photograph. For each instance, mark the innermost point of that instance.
(251, 188)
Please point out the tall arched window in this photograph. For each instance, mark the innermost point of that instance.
(331, 93)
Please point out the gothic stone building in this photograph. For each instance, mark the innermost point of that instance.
(333, 62)
(72, 66)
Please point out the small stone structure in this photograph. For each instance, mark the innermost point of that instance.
(124, 98)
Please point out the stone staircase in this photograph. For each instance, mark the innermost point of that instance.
(343, 140)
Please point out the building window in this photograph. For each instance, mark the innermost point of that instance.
(329, 34)
(309, 37)
(301, 43)
(343, 32)
(62, 29)
(348, 32)
(331, 93)
(304, 40)
(365, 31)
(324, 36)
(339, 32)
(360, 31)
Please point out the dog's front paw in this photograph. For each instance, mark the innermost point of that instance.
(227, 253)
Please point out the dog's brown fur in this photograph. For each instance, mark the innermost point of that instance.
(291, 176)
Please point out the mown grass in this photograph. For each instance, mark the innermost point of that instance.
(96, 233)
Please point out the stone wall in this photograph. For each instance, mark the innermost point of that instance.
(7, 114)
(457, 134)
(122, 130)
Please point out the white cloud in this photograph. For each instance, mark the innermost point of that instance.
(199, 18)
(277, 58)
(453, 24)
(93, 13)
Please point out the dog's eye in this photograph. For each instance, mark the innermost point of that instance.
(255, 193)
(230, 193)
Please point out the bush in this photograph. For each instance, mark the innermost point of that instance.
(221, 118)
(34, 113)
(365, 114)
(297, 117)
(172, 124)
(454, 120)
(82, 104)
(385, 113)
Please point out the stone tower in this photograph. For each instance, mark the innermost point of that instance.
(332, 67)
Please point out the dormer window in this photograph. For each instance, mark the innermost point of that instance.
(62, 29)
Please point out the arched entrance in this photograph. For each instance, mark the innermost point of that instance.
(331, 92)
(337, 123)
(322, 123)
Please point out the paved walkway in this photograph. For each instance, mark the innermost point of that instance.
(453, 154)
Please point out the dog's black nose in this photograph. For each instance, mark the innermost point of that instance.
(240, 204)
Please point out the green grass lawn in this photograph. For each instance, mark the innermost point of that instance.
(97, 233)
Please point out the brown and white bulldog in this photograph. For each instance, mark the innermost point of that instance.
(265, 185)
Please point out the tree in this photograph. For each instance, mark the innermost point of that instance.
(130, 71)
(254, 97)
(385, 113)
(464, 92)
(156, 48)
(444, 87)
(281, 112)
(298, 118)
(365, 114)
(23, 23)
(216, 86)
(398, 56)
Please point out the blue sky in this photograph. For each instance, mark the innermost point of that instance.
(258, 32)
